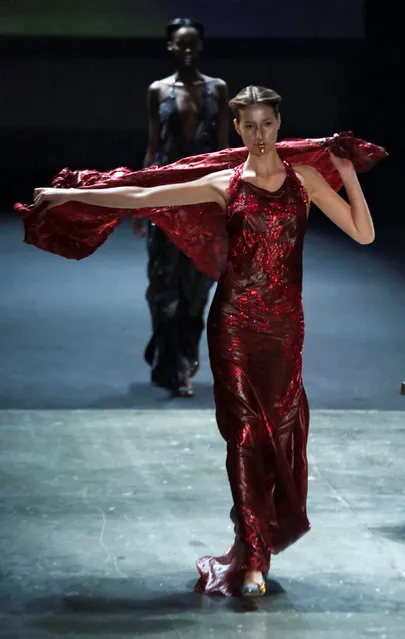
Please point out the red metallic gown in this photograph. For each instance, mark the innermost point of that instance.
(255, 326)
(255, 336)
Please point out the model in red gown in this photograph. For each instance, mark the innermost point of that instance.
(255, 328)
(255, 336)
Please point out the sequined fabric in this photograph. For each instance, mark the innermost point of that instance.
(255, 325)
(255, 336)
(76, 230)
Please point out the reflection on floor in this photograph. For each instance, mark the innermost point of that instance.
(105, 511)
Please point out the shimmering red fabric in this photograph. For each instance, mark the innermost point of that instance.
(255, 336)
(75, 230)
(255, 325)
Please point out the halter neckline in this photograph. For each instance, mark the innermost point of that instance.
(259, 188)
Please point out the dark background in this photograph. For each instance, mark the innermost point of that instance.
(221, 18)
(80, 101)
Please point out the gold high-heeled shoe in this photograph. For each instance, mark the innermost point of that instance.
(253, 590)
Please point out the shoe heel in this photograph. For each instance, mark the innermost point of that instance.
(253, 590)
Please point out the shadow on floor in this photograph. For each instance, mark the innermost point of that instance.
(394, 533)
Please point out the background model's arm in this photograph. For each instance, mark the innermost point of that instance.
(352, 217)
(154, 123)
(152, 99)
(206, 189)
(223, 111)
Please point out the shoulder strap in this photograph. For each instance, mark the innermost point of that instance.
(296, 182)
(233, 184)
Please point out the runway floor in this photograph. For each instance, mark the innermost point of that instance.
(110, 490)
(104, 512)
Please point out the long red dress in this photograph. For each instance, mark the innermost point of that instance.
(255, 326)
(255, 337)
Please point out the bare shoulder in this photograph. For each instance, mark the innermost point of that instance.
(154, 87)
(159, 90)
(219, 177)
(211, 79)
(306, 171)
(153, 98)
(218, 84)
(160, 85)
(169, 79)
(308, 175)
(219, 181)
(153, 93)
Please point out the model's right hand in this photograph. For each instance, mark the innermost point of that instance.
(138, 227)
(50, 197)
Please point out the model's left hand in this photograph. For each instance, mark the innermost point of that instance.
(50, 197)
(343, 165)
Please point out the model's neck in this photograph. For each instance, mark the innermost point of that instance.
(265, 164)
(188, 76)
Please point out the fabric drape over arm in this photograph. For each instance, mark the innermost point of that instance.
(75, 230)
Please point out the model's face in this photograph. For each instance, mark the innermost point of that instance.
(258, 127)
(185, 45)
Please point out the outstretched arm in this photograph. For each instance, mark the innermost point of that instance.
(352, 217)
(206, 189)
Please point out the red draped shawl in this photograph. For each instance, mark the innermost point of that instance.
(75, 230)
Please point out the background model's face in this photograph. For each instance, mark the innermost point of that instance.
(258, 127)
(185, 46)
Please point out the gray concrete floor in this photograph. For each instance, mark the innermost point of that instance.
(109, 491)
(104, 512)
